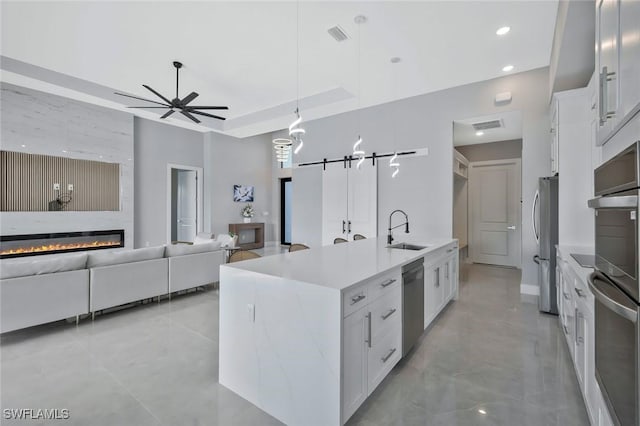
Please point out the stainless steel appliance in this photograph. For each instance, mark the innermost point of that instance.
(545, 229)
(614, 285)
(412, 304)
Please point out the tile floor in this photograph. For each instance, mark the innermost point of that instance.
(157, 365)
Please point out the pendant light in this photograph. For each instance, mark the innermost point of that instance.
(393, 161)
(282, 146)
(357, 151)
(295, 131)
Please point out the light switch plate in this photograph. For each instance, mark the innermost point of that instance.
(70, 187)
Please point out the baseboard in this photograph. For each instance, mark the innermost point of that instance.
(531, 289)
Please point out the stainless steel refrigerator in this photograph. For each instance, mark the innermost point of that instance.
(545, 229)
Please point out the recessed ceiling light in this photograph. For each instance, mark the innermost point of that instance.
(482, 411)
(503, 30)
(64, 150)
(507, 68)
(479, 133)
(395, 60)
(23, 145)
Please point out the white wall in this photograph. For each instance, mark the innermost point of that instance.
(424, 186)
(48, 124)
(232, 161)
(156, 145)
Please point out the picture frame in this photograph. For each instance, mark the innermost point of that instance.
(243, 193)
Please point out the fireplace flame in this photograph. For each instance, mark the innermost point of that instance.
(60, 246)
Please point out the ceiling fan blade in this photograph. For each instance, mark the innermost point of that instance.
(141, 99)
(191, 96)
(189, 116)
(157, 94)
(151, 107)
(208, 107)
(206, 115)
(168, 113)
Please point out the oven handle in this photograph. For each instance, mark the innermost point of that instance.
(624, 201)
(618, 308)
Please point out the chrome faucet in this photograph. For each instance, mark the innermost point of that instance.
(406, 224)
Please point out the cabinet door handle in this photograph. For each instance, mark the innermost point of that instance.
(348, 227)
(579, 292)
(605, 76)
(437, 277)
(368, 329)
(388, 282)
(343, 226)
(450, 250)
(388, 314)
(387, 356)
(356, 299)
(446, 271)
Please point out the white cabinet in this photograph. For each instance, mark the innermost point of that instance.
(354, 387)
(576, 310)
(349, 201)
(617, 63)
(372, 337)
(629, 56)
(440, 283)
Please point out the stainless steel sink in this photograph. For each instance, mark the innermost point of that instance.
(405, 246)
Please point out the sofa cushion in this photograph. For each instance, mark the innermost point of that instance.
(203, 238)
(183, 249)
(38, 265)
(124, 256)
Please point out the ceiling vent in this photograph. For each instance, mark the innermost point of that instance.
(486, 125)
(337, 33)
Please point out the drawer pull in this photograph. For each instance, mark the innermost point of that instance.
(387, 283)
(579, 292)
(356, 299)
(388, 314)
(449, 251)
(387, 356)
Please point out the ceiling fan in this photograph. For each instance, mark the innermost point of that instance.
(180, 104)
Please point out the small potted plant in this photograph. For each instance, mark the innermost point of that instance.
(247, 213)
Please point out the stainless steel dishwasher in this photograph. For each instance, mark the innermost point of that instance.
(412, 304)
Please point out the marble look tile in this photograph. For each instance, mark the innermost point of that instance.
(157, 364)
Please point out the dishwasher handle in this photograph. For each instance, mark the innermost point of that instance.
(412, 275)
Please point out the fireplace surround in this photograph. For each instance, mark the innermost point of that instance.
(59, 242)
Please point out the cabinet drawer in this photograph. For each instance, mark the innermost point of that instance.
(387, 282)
(386, 313)
(354, 299)
(383, 356)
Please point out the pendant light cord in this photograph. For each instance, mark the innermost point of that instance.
(298, 56)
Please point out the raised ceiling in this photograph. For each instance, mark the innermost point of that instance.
(510, 128)
(243, 54)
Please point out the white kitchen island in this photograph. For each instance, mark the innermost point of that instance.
(307, 336)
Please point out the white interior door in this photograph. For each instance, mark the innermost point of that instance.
(334, 203)
(187, 207)
(495, 212)
(363, 200)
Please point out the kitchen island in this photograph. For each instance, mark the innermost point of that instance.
(307, 336)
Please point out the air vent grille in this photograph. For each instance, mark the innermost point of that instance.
(486, 125)
(337, 33)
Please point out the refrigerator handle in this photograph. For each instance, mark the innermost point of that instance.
(536, 198)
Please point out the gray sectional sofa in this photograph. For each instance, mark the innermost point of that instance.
(50, 288)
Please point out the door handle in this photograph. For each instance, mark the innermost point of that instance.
(368, 329)
(343, 226)
(388, 314)
(512, 227)
(536, 197)
(348, 227)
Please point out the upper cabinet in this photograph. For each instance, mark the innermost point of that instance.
(618, 64)
(349, 201)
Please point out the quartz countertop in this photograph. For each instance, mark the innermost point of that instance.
(341, 266)
(565, 254)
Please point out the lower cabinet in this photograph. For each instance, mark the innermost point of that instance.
(372, 339)
(576, 316)
(440, 283)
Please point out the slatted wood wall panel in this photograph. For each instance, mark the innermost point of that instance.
(27, 182)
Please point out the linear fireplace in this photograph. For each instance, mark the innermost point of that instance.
(60, 242)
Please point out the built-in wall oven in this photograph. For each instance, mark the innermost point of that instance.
(614, 285)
